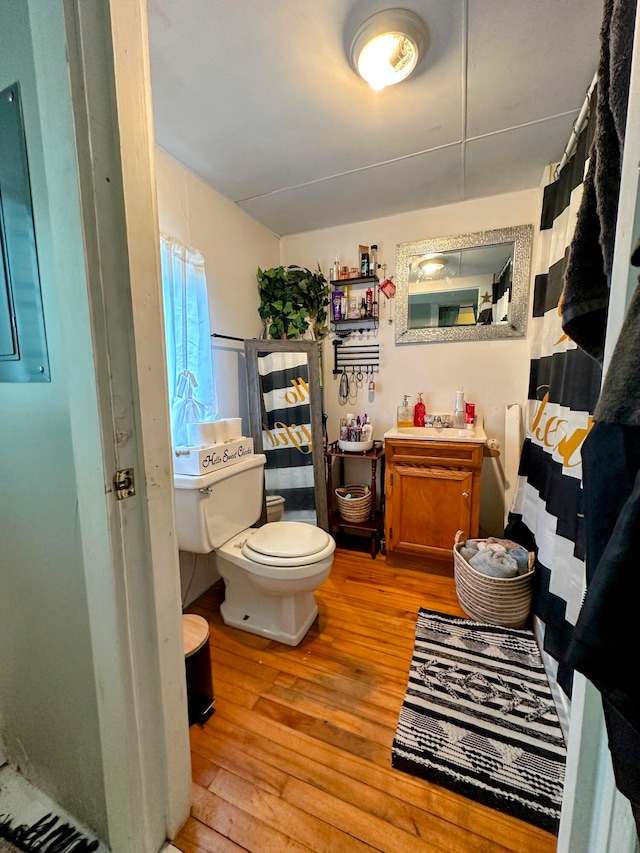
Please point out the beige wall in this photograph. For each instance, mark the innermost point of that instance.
(233, 245)
(493, 374)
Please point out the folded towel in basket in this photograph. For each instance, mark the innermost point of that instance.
(521, 556)
(468, 553)
(494, 564)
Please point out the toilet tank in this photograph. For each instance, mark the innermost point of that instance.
(212, 508)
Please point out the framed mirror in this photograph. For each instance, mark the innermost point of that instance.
(285, 417)
(470, 287)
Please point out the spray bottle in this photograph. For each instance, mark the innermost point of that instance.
(418, 411)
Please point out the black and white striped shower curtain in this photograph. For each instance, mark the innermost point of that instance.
(563, 390)
(286, 433)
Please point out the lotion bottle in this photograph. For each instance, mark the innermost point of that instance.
(460, 411)
(419, 411)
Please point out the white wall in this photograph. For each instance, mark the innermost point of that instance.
(493, 374)
(48, 706)
(233, 245)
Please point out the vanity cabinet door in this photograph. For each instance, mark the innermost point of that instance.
(432, 490)
(428, 506)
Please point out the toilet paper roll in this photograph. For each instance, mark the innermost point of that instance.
(202, 434)
(234, 428)
(222, 430)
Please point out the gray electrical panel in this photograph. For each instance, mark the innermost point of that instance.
(23, 342)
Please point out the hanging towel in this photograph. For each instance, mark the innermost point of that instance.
(585, 295)
(605, 644)
(619, 401)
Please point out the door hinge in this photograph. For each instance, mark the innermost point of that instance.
(391, 534)
(391, 479)
(124, 483)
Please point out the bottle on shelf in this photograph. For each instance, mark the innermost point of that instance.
(419, 411)
(363, 308)
(364, 264)
(336, 270)
(460, 411)
(369, 300)
(373, 260)
(337, 304)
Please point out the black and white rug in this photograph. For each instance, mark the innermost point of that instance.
(30, 822)
(478, 718)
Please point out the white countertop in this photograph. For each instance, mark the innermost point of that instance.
(475, 433)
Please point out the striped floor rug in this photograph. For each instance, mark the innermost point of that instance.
(31, 821)
(478, 718)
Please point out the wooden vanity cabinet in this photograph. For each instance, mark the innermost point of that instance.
(432, 490)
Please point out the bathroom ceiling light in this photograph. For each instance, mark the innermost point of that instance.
(387, 47)
(432, 265)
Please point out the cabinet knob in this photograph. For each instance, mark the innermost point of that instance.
(465, 494)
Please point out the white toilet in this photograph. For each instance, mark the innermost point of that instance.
(270, 572)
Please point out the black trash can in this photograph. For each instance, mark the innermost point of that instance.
(195, 637)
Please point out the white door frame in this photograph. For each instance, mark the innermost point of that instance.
(139, 671)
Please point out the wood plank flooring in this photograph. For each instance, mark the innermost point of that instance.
(297, 756)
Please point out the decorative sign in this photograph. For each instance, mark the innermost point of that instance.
(202, 460)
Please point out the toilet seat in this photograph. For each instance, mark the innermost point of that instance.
(285, 544)
(237, 550)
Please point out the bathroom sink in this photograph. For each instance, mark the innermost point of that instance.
(476, 433)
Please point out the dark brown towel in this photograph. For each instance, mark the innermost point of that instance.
(585, 296)
(619, 401)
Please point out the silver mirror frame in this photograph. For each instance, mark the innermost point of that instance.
(312, 348)
(520, 235)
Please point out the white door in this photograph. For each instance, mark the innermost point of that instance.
(146, 759)
(92, 684)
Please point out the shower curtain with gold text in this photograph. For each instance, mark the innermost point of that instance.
(547, 512)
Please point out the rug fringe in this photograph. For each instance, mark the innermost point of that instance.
(45, 837)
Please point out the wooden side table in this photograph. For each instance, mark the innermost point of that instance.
(375, 523)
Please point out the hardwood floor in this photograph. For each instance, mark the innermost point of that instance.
(297, 756)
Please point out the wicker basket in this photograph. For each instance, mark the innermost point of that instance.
(496, 601)
(357, 508)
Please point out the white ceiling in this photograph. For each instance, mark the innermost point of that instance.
(258, 98)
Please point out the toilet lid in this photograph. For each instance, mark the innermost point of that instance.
(287, 540)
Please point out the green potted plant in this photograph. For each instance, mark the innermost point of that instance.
(293, 300)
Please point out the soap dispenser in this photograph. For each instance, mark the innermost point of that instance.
(418, 412)
(460, 411)
(405, 413)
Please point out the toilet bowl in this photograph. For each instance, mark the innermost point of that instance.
(270, 572)
(270, 575)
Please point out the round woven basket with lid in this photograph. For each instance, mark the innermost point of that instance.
(356, 507)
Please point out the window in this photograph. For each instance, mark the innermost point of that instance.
(192, 391)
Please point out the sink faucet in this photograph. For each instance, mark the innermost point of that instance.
(437, 422)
